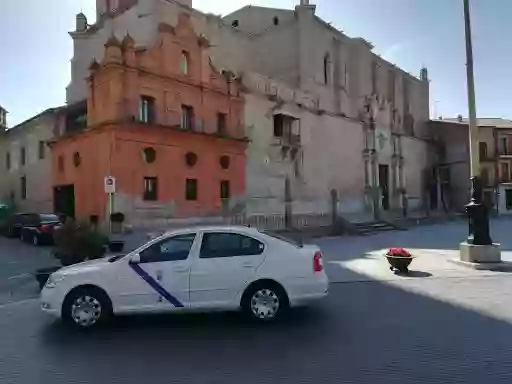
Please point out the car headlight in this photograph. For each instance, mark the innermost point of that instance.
(53, 281)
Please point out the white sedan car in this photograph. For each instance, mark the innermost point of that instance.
(195, 269)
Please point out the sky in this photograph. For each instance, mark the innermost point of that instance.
(36, 48)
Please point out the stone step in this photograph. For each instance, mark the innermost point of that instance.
(368, 228)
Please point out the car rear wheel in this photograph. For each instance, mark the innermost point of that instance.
(265, 302)
(35, 240)
(86, 308)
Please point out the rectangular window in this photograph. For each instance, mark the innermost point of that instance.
(505, 172)
(150, 189)
(23, 187)
(407, 104)
(224, 189)
(23, 156)
(374, 77)
(147, 109)
(391, 86)
(191, 189)
(504, 146)
(42, 147)
(278, 126)
(221, 123)
(187, 117)
(8, 161)
(508, 199)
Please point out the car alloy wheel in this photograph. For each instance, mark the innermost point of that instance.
(265, 304)
(85, 311)
(35, 240)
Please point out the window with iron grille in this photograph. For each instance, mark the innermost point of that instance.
(187, 117)
(191, 189)
(150, 189)
(224, 189)
(147, 109)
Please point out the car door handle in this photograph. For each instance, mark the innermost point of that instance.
(181, 269)
(248, 265)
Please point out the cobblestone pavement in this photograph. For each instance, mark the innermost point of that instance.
(444, 326)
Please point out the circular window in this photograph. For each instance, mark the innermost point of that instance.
(191, 159)
(60, 163)
(225, 162)
(149, 155)
(77, 160)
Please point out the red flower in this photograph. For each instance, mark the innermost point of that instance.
(398, 252)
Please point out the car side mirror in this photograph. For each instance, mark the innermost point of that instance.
(135, 259)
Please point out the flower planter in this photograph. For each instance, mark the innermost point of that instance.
(399, 259)
(399, 263)
(116, 246)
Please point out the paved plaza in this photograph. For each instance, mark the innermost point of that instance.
(442, 324)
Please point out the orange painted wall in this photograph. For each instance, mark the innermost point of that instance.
(113, 142)
(170, 167)
(87, 178)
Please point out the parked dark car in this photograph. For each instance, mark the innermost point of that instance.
(11, 227)
(38, 228)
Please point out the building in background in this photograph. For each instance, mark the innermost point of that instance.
(362, 103)
(3, 119)
(25, 166)
(495, 152)
(164, 123)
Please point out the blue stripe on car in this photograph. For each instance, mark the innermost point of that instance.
(155, 285)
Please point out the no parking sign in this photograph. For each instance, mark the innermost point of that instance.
(110, 184)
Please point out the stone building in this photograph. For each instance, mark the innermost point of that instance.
(25, 167)
(495, 153)
(363, 134)
(164, 124)
(3, 119)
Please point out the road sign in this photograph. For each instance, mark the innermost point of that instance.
(110, 184)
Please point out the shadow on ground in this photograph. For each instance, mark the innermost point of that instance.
(363, 332)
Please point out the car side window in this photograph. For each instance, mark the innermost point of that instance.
(174, 248)
(223, 244)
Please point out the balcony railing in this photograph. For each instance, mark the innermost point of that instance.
(505, 152)
(192, 123)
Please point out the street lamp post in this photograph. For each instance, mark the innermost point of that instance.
(479, 246)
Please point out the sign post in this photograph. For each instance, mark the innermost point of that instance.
(110, 189)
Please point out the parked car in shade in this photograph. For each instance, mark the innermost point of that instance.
(12, 226)
(194, 269)
(38, 228)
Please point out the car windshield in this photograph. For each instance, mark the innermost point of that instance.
(283, 238)
(48, 218)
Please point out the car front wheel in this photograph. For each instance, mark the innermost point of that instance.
(265, 302)
(86, 307)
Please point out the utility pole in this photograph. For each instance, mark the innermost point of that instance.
(479, 247)
(473, 124)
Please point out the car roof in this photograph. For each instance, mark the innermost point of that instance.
(203, 228)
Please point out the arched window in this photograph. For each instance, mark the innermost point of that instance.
(327, 65)
(185, 62)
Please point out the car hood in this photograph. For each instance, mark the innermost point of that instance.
(85, 266)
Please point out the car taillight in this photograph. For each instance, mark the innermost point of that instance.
(318, 264)
(45, 228)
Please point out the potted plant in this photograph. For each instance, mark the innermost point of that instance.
(117, 220)
(399, 259)
(74, 243)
